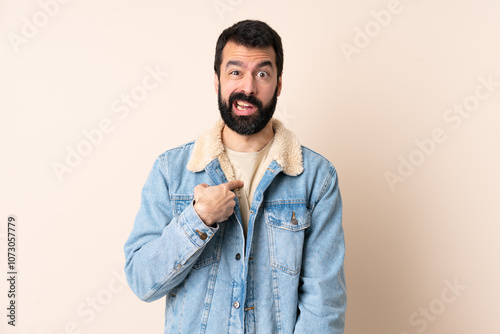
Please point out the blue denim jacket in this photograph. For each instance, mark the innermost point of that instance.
(287, 277)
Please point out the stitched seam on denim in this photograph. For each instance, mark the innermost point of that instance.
(218, 247)
(164, 164)
(178, 148)
(286, 270)
(199, 265)
(325, 187)
(277, 308)
(168, 277)
(182, 309)
(273, 257)
(171, 274)
(179, 197)
(275, 279)
(278, 223)
(301, 227)
(316, 153)
(165, 176)
(186, 231)
(177, 204)
(285, 201)
(229, 318)
(208, 300)
(251, 287)
(270, 237)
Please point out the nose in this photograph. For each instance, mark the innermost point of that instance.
(248, 85)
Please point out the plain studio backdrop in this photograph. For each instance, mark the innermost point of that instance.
(402, 96)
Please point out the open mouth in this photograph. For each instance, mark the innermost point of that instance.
(242, 108)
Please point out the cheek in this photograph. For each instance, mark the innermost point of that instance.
(227, 90)
(269, 93)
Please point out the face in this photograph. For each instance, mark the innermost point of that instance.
(248, 87)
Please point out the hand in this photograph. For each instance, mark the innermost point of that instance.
(215, 204)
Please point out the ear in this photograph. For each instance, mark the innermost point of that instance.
(216, 83)
(279, 85)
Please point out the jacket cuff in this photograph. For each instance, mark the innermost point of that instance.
(195, 228)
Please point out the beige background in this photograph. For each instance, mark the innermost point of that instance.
(364, 111)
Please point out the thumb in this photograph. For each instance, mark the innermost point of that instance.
(235, 184)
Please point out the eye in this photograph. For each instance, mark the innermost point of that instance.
(263, 74)
(234, 72)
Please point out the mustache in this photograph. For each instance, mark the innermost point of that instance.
(246, 98)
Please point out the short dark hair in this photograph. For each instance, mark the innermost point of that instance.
(250, 33)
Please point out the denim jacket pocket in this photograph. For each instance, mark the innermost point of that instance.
(212, 251)
(286, 224)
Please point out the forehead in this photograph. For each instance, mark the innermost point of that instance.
(233, 51)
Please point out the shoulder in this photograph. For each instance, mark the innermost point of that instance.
(322, 173)
(173, 158)
(178, 153)
(314, 160)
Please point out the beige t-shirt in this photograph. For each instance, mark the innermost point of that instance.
(248, 167)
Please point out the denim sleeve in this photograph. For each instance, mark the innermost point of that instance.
(322, 292)
(162, 248)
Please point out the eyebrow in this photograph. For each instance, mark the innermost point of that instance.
(265, 63)
(240, 63)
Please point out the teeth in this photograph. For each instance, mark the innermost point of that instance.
(243, 104)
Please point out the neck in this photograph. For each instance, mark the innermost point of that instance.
(247, 143)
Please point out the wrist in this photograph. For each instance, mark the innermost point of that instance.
(201, 215)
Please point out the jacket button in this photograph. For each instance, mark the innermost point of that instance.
(238, 256)
(236, 304)
(203, 236)
(294, 220)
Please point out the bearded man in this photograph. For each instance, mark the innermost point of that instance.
(240, 231)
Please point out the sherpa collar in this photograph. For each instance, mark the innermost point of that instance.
(285, 150)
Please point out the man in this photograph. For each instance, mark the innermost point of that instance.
(241, 230)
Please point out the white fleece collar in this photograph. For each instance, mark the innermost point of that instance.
(285, 150)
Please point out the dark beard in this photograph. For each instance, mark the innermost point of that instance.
(247, 125)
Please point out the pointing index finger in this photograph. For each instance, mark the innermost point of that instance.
(235, 184)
